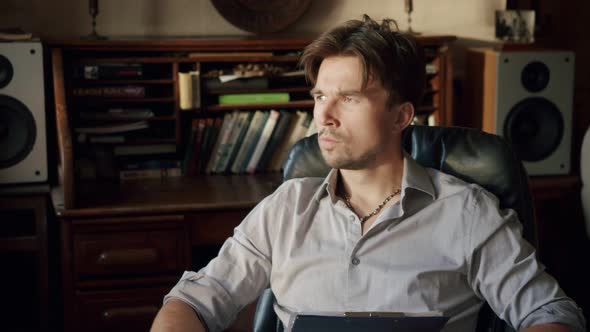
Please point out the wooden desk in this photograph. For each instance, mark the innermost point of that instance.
(129, 243)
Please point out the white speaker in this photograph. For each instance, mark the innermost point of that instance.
(23, 141)
(526, 97)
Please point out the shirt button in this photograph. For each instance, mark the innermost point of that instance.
(355, 261)
(351, 218)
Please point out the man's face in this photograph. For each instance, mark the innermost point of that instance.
(354, 124)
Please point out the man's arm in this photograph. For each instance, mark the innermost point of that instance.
(548, 328)
(177, 316)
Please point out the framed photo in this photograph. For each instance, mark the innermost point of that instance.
(516, 26)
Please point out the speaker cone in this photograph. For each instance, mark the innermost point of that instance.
(534, 128)
(535, 76)
(17, 131)
(6, 71)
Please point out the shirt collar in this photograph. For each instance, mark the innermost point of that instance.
(415, 177)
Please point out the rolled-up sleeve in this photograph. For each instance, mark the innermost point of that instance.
(233, 279)
(505, 272)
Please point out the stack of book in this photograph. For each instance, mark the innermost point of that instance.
(109, 71)
(244, 142)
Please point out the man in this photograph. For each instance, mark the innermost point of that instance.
(380, 233)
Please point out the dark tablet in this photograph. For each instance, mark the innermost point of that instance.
(315, 323)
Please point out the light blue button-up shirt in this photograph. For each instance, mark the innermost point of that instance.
(445, 246)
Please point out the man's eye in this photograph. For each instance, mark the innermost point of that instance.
(348, 99)
(319, 97)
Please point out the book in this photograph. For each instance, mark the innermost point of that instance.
(267, 131)
(312, 128)
(113, 128)
(131, 150)
(118, 114)
(272, 164)
(109, 71)
(253, 98)
(196, 148)
(301, 125)
(221, 138)
(105, 138)
(234, 141)
(229, 54)
(150, 173)
(209, 137)
(250, 139)
(130, 91)
(188, 152)
(150, 164)
(196, 88)
(277, 135)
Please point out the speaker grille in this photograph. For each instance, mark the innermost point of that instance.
(534, 127)
(6, 71)
(17, 131)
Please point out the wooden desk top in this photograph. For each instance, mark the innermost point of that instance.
(171, 195)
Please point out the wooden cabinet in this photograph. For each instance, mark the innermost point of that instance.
(125, 243)
(26, 281)
(116, 270)
(119, 310)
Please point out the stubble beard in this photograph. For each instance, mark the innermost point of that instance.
(344, 159)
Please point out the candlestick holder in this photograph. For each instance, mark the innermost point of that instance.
(409, 8)
(93, 12)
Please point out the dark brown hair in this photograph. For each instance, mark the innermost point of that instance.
(389, 56)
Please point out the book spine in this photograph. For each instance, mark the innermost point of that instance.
(278, 134)
(251, 146)
(221, 137)
(251, 98)
(150, 173)
(112, 92)
(263, 141)
(250, 136)
(189, 146)
(150, 164)
(111, 71)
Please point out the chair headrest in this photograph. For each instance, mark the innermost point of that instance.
(469, 154)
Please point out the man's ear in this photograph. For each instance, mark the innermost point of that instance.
(404, 116)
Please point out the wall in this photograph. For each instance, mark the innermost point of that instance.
(67, 18)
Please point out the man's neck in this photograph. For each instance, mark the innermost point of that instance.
(368, 187)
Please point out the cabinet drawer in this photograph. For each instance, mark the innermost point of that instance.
(128, 310)
(129, 253)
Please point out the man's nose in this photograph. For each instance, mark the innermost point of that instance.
(326, 113)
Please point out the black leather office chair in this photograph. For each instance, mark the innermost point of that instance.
(469, 154)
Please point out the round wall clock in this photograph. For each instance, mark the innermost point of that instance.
(261, 16)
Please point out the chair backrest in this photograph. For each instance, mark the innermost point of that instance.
(469, 154)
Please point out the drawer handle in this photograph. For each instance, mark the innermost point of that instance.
(123, 313)
(128, 256)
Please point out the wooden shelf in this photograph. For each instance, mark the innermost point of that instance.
(126, 100)
(230, 58)
(294, 89)
(138, 81)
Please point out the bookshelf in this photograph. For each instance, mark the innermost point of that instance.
(180, 219)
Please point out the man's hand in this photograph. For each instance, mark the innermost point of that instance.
(177, 316)
(548, 328)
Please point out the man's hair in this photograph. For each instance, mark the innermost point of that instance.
(387, 55)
